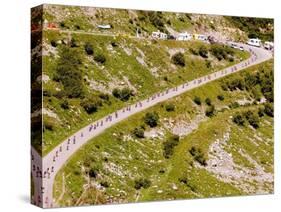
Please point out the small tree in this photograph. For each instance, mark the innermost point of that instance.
(89, 49)
(220, 97)
(197, 100)
(178, 59)
(208, 101)
(269, 109)
(139, 132)
(125, 94)
(54, 43)
(238, 119)
(170, 107)
(203, 51)
(73, 43)
(100, 58)
(104, 96)
(93, 172)
(122, 94)
(91, 105)
(114, 44)
(198, 155)
(64, 104)
(151, 119)
(142, 183)
(210, 111)
(252, 118)
(169, 145)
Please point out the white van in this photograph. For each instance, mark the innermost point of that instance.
(159, 35)
(254, 42)
(184, 36)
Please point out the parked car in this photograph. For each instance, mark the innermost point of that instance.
(254, 42)
(184, 36)
(268, 45)
(159, 35)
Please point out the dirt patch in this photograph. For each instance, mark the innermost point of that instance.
(141, 61)
(50, 113)
(248, 180)
(49, 50)
(183, 127)
(244, 101)
(173, 51)
(127, 50)
(155, 133)
(113, 168)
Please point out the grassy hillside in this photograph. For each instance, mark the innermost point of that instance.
(254, 27)
(145, 22)
(82, 75)
(216, 140)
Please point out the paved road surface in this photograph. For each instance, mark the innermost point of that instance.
(44, 170)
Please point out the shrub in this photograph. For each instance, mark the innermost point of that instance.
(122, 94)
(220, 97)
(170, 107)
(54, 43)
(93, 172)
(151, 119)
(198, 155)
(47, 93)
(62, 24)
(48, 125)
(89, 49)
(91, 105)
(208, 101)
(203, 51)
(162, 171)
(104, 184)
(269, 109)
(183, 180)
(73, 43)
(238, 119)
(104, 96)
(210, 111)
(142, 183)
(100, 58)
(236, 83)
(194, 51)
(116, 92)
(222, 52)
(69, 72)
(197, 100)
(156, 19)
(178, 59)
(139, 132)
(261, 112)
(60, 94)
(208, 64)
(253, 120)
(114, 44)
(234, 105)
(64, 104)
(169, 145)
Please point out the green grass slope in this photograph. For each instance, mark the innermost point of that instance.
(206, 161)
(142, 66)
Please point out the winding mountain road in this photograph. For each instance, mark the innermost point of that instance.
(45, 169)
